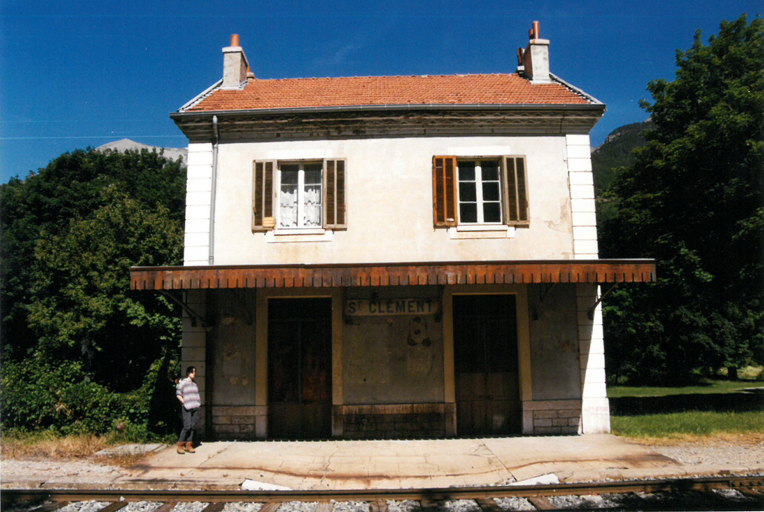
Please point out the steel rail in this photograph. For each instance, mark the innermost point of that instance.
(754, 484)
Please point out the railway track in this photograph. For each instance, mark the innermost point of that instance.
(720, 493)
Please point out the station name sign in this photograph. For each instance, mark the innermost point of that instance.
(384, 307)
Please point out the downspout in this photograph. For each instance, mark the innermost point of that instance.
(208, 356)
(216, 140)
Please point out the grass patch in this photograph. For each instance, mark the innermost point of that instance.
(716, 410)
(713, 387)
(689, 424)
(50, 446)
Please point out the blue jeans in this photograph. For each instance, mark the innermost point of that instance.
(189, 420)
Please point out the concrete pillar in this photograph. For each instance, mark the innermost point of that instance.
(194, 349)
(595, 407)
(261, 364)
(449, 366)
(338, 384)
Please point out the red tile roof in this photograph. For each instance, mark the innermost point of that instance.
(499, 89)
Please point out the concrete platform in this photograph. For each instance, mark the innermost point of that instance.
(399, 464)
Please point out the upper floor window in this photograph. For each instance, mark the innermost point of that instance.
(480, 191)
(298, 195)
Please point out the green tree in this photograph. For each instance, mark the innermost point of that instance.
(694, 199)
(71, 186)
(73, 333)
(83, 305)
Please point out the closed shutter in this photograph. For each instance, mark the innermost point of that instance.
(335, 215)
(516, 191)
(444, 191)
(262, 196)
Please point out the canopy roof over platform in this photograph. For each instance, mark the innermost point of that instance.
(393, 274)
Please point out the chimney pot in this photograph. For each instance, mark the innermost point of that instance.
(235, 65)
(535, 58)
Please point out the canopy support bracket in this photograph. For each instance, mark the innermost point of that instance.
(590, 313)
(195, 317)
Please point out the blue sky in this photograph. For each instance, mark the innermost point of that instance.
(82, 73)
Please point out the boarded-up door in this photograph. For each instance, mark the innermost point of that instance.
(299, 368)
(487, 380)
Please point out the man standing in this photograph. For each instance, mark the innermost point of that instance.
(188, 395)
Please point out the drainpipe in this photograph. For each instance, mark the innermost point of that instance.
(216, 140)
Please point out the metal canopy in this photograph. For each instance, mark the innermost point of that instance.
(392, 274)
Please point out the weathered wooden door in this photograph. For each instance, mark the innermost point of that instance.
(487, 379)
(299, 368)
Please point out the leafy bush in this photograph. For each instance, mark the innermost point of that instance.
(59, 396)
(63, 398)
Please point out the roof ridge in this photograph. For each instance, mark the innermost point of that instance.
(381, 76)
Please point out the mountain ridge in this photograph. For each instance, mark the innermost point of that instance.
(123, 145)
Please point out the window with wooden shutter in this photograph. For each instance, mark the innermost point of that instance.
(335, 215)
(262, 195)
(444, 191)
(516, 191)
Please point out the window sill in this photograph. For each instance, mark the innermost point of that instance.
(299, 235)
(478, 231)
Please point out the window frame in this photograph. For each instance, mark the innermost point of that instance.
(513, 177)
(300, 191)
(266, 190)
(480, 200)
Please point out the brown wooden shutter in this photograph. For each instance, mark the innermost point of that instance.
(262, 195)
(516, 191)
(335, 210)
(444, 191)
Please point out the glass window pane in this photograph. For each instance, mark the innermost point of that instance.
(491, 212)
(313, 173)
(467, 192)
(466, 171)
(490, 170)
(490, 191)
(289, 174)
(468, 212)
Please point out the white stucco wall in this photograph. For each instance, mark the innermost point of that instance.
(389, 201)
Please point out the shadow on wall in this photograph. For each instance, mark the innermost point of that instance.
(745, 400)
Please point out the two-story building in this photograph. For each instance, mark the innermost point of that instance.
(394, 256)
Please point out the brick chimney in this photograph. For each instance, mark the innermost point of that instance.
(235, 65)
(534, 59)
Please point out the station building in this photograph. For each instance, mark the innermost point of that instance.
(393, 257)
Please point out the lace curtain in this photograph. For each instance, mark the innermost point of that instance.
(288, 211)
(312, 207)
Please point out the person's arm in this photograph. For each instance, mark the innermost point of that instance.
(179, 393)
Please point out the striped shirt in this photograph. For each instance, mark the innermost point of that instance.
(189, 392)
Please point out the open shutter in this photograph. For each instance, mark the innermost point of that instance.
(262, 195)
(516, 191)
(335, 211)
(444, 191)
